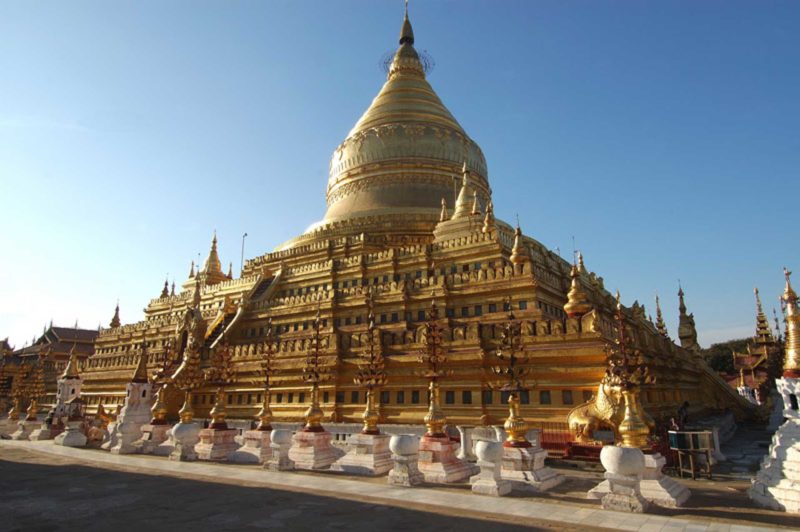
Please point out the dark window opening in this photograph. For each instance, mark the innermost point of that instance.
(487, 397)
(544, 397)
(466, 397)
(566, 397)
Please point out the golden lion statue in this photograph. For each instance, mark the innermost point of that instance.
(604, 409)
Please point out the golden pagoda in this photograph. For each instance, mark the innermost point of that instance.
(393, 234)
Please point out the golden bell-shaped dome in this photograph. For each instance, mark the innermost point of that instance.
(401, 157)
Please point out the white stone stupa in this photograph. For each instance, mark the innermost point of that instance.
(777, 483)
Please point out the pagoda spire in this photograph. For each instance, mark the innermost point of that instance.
(165, 290)
(406, 61)
(444, 216)
(406, 32)
(71, 371)
(791, 364)
(687, 332)
(140, 375)
(172, 289)
(213, 265)
(196, 295)
(763, 331)
(488, 220)
(230, 270)
(191, 270)
(519, 253)
(476, 207)
(661, 327)
(577, 301)
(463, 207)
(115, 320)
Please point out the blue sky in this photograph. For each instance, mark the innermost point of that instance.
(663, 136)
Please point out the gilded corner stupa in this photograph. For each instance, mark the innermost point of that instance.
(409, 219)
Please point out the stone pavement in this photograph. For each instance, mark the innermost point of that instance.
(172, 499)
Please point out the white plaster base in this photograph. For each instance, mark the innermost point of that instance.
(438, 462)
(281, 443)
(312, 450)
(255, 448)
(44, 432)
(489, 481)
(405, 471)
(656, 487)
(625, 495)
(524, 467)
(368, 455)
(777, 483)
(25, 429)
(216, 444)
(73, 436)
(123, 436)
(152, 437)
(182, 439)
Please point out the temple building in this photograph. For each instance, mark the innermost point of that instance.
(756, 369)
(52, 350)
(394, 233)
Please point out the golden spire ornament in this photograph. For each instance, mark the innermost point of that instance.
(220, 374)
(661, 327)
(511, 353)
(115, 322)
(519, 253)
(267, 371)
(627, 370)
(444, 216)
(577, 301)
(371, 373)
(314, 374)
(488, 220)
(791, 363)
(463, 207)
(160, 380)
(434, 356)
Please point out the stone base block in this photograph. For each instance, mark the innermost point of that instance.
(495, 488)
(216, 444)
(438, 462)
(152, 437)
(777, 483)
(655, 487)
(624, 503)
(405, 472)
(489, 482)
(72, 437)
(45, 433)
(25, 429)
(255, 448)
(524, 468)
(313, 450)
(624, 494)
(368, 455)
(182, 440)
(124, 436)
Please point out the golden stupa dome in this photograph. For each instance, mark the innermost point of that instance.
(401, 158)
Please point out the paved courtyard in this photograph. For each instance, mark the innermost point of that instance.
(47, 492)
(48, 487)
